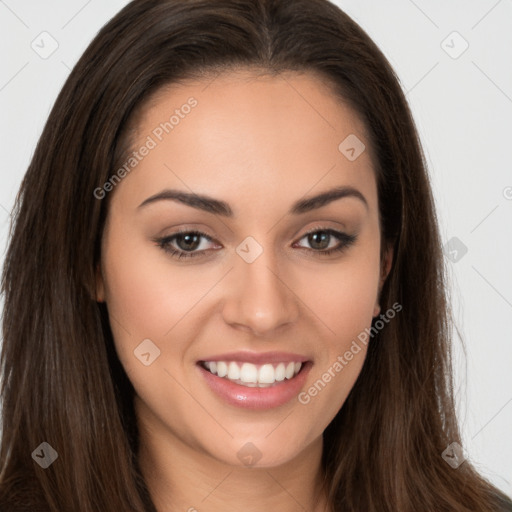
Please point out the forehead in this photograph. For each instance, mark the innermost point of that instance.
(241, 131)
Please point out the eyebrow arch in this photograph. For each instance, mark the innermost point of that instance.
(215, 206)
(324, 198)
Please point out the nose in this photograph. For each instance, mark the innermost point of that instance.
(259, 299)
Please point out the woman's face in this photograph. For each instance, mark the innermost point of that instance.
(278, 278)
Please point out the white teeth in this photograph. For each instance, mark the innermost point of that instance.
(222, 369)
(280, 372)
(248, 374)
(233, 371)
(266, 375)
(290, 370)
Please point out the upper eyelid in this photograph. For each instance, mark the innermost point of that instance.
(172, 237)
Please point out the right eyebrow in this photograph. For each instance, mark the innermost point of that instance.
(201, 202)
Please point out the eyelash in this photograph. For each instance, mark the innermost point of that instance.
(345, 242)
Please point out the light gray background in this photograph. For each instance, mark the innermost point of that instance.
(463, 108)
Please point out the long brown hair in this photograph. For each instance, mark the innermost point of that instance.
(61, 380)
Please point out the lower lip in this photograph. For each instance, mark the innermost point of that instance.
(256, 398)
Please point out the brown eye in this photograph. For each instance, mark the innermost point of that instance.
(188, 241)
(186, 244)
(327, 241)
(319, 240)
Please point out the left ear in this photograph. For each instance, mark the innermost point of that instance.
(385, 267)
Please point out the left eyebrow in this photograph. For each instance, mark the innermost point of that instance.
(215, 206)
(323, 199)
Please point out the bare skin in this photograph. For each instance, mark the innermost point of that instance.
(260, 144)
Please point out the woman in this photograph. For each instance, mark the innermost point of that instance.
(224, 287)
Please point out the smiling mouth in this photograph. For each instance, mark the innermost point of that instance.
(252, 375)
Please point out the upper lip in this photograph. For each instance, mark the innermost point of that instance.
(259, 358)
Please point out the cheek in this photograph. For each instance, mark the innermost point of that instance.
(145, 293)
(150, 298)
(347, 313)
(345, 300)
(343, 295)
